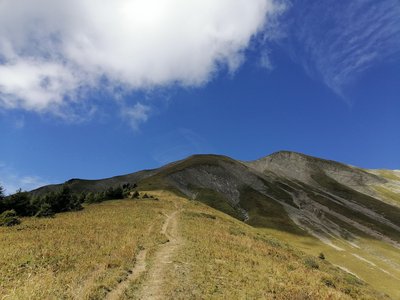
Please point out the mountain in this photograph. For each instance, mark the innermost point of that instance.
(352, 214)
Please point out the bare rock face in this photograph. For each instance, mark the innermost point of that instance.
(306, 169)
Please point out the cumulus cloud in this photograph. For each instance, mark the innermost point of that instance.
(52, 50)
(336, 41)
(35, 85)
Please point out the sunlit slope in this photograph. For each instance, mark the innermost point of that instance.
(192, 251)
(351, 213)
(390, 190)
(330, 207)
(79, 254)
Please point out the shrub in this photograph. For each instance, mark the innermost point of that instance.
(126, 194)
(2, 206)
(100, 197)
(9, 218)
(311, 263)
(1, 193)
(114, 193)
(61, 201)
(128, 186)
(95, 197)
(135, 195)
(90, 198)
(23, 204)
(328, 282)
(20, 202)
(82, 197)
(321, 256)
(55, 202)
(44, 211)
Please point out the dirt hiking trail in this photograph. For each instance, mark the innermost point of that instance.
(155, 270)
(152, 288)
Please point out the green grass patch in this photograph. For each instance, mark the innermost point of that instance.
(388, 193)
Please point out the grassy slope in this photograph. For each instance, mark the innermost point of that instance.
(84, 254)
(381, 268)
(388, 174)
(78, 254)
(225, 258)
(390, 196)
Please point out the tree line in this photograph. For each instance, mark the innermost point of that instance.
(23, 204)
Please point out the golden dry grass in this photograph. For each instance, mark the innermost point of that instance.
(223, 258)
(77, 255)
(390, 196)
(83, 255)
(388, 174)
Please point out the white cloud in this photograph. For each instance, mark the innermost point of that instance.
(336, 41)
(34, 85)
(51, 50)
(137, 114)
(11, 180)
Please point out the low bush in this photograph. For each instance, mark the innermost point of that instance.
(328, 282)
(114, 193)
(45, 211)
(9, 218)
(135, 195)
(311, 263)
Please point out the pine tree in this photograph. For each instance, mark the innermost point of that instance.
(2, 206)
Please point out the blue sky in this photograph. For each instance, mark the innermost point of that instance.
(91, 91)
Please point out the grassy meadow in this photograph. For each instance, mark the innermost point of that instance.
(86, 254)
(78, 255)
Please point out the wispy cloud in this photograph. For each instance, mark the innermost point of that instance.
(136, 115)
(265, 61)
(53, 51)
(12, 180)
(336, 41)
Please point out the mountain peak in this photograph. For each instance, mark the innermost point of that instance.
(305, 168)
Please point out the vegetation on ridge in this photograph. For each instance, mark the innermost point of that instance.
(24, 204)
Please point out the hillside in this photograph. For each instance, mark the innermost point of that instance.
(351, 214)
(141, 249)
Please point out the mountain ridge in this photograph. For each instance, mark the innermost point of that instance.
(338, 207)
(149, 172)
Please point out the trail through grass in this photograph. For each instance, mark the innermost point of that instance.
(191, 252)
(81, 255)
